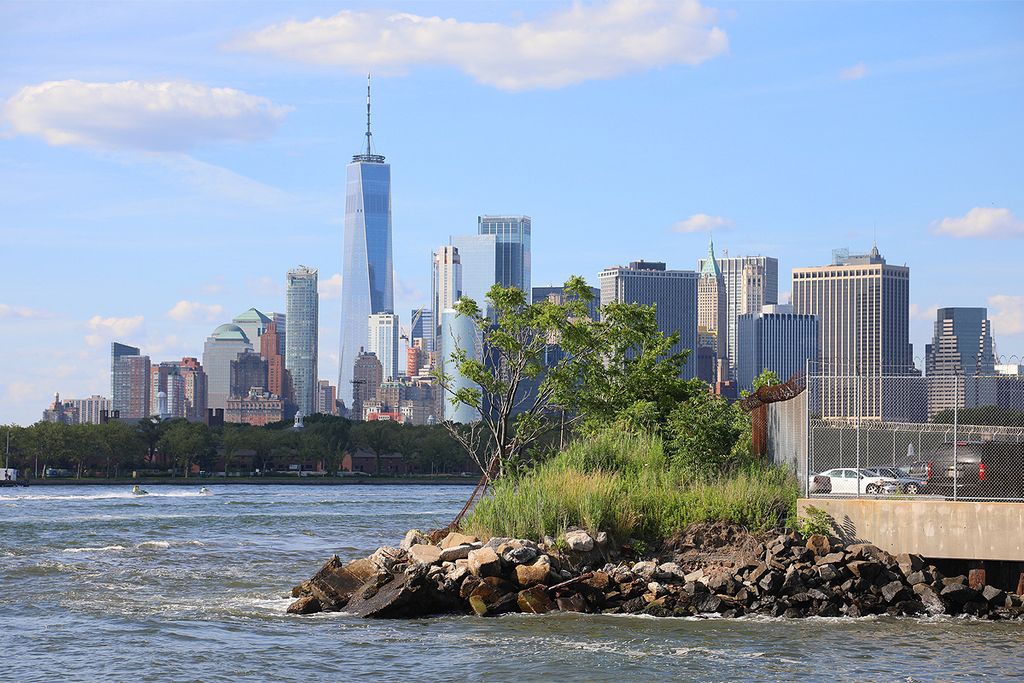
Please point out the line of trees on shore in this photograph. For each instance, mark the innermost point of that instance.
(116, 449)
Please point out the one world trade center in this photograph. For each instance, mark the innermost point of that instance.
(367, 282)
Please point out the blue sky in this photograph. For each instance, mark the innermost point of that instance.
(163, 164)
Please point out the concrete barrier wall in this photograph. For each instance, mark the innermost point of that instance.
(933, 528)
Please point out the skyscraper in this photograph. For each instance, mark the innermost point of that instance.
(750, 283)
(248, 370)
(382, 341)
(445, 284)
(457, 332)
(278, 382)
(165, 378)
(302, 308)
(222, 347)
(674, 292)
(129, 381)
(959, 362)
(367, 376)
(195, 388)
(254, 324)
(478, 255)
(421, 326)
(863, 309)
(326, 398)
(513, 248)
(775, 339)
(713, 313)
(367, 279)
(87, 410)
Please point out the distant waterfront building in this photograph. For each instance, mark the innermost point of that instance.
(513, 248)
(302, 306)
(129, 381)
(194, 377)
(222, 347)
(863, 309)
(673, 291)
(750, 283)
(326, 398)
(165, 378)
(254, 324)
(775, 339)
(257, 407)
(280, 321)
(959, 363)
(368, 374)
(713, 315)
(87, 410)
(478, 255)
(271, 350)
(382, 341)
(457, 332)
(445, 284)
(56, 413)
(367, 277)
(248, 370)
(1010, 386)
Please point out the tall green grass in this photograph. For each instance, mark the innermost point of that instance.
(628, 486)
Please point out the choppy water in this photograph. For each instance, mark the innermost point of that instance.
(96, 584)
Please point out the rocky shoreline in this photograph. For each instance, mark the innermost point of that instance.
(715, 569)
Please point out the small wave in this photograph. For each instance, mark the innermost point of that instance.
(154, 545)
(95, 549)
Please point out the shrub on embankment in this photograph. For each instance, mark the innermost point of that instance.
(630, 487)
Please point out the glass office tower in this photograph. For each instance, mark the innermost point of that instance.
(512, 234)
(367, 280)
(302, 310)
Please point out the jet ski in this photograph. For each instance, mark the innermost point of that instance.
(139, 491)
(205, 491)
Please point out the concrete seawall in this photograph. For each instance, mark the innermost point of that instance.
(932, 528)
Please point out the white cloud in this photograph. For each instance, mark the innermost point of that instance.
(153, 116)
(580, 43)
(331, 287)
(193, 311)
(982, 222)
(854, 73)
(106, 328)
(702, 222)
(1007, 314)
(8, 311)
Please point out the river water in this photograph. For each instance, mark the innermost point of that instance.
(97, 584)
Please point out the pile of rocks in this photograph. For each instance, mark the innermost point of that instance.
(783, 575)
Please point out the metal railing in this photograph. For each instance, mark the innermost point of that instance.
(880, 434)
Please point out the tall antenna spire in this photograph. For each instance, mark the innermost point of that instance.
(369, 135)
(368, 155)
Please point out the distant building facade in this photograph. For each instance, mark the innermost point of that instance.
(222, 347)
(88, 410)
(478, 256)
(382, 341)
(960, 363)
(368, 374)
(673, 291)
(194, 380)
(129, 382)
(777, 340)
(248, 370)
(302, 306)
(513, 235)
(254, 324)
(457, 332)
(326, 398)
(257, 407)
(863, 308)
(445, 284)
(713, 315)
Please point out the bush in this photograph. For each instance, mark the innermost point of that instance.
(628, 486)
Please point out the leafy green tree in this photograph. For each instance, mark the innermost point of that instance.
(186, 443)
(767, 378)
(703, 430)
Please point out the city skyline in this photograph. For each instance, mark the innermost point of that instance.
(95, 210)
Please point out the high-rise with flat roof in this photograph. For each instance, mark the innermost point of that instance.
(165, 378)
(367, 284)
(863, 309)
(194, 377)
(674, 292)
(960, 363)
(222, 347)
(421, 326)
(775, 339)
(512, 235)
(129, 381)
(367, 375)
(88, 410)
(302, 307)
(457, 333)
(278, 382)
(478, 256)
(248, 370)
(382, 341)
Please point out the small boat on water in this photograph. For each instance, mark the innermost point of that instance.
(139, 491)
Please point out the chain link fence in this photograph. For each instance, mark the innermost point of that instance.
(905, 434)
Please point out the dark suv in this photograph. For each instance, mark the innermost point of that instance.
(990, 469)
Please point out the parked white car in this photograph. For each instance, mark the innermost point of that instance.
(850, 481)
